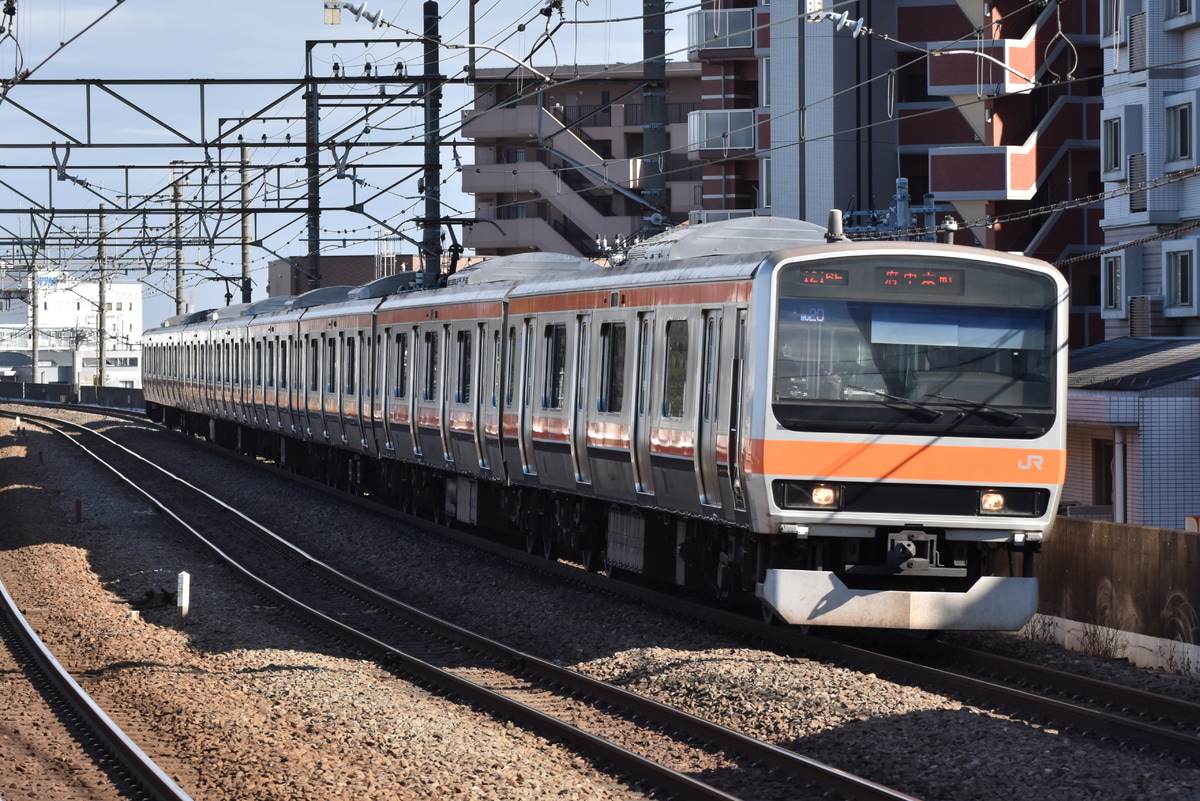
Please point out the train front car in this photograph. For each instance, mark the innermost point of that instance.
(911, 447)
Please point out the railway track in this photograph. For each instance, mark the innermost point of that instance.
(647, 743)
(1051, 699)
(49, 708)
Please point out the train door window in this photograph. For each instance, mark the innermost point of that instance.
(314, 364)
(555, 341)
(269, 369)
(581, 363)
(612, 368)
(462, 389)
(512, 366)
(377, 367)
(711, 345)
(401, 388)
(236, 365)
(431, 365)
(258, 364)
(675, 374)
(247, 365)
(283, 364)
(496, 365)
(351, 365)
(645, 363)
(331, 365)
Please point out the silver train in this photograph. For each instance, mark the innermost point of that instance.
(855, 434)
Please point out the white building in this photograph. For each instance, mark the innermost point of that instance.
(68, 328)
(1150, 143)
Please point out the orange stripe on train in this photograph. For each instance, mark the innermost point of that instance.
(904, 462)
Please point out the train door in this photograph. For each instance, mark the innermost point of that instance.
(414, 352)
(479, 397)
(579, 410)
(525, 427)
(707, 426)
(737, 391)
(642, 413)
(493, 429)
(444, 392)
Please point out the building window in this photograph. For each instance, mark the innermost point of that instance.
(1112, 282)
(1112, 145)
(1179, 132)
(1112, 17)
(1179, 278)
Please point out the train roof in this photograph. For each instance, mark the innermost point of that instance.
(743, 235)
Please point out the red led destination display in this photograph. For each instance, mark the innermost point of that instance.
(919, 281)
(810, 275)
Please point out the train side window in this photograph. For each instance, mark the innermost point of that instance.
(556, 365)
(351, 365)
(675, 375)
(462, 392)
(401, 388)
(612, 368)
(431, 365)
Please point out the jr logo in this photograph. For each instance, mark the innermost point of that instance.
(1031, 462)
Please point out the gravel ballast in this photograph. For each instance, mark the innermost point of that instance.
(264, 709)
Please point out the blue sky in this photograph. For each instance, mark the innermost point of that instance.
(178, 39)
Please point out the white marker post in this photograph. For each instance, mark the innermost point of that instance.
(183, 591)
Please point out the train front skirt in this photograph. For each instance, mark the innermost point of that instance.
(812, 597)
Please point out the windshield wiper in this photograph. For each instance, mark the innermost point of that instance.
(1003, 414)
(887, 397)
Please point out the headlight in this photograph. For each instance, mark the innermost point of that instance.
(807, 495)
(1016, 501)
(991, 503)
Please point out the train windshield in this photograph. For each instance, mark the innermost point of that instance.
(866, 364)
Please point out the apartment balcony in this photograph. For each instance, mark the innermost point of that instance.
(731, 29)
(993, 66)
(1013, 172)
(1008, 65)
(721, 130)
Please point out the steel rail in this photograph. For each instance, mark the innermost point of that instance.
(143, 771)
(846, 784)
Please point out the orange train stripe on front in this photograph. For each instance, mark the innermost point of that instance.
(902, 462)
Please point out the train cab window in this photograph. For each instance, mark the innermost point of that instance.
(351, 366)
(612, 368)
(556, 366)
(462, 389)
(431, 365)
(400, 390)
(675, 374)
